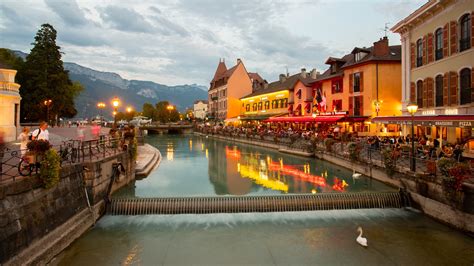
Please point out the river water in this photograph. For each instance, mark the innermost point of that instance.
(199, 166)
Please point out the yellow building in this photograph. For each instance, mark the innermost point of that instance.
(364, 84)
(9, 103)
(273, 99)
(438, 69)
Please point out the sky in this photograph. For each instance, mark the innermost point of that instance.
(181, 41)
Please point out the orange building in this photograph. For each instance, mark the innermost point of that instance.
(227, 87)
(364, 84)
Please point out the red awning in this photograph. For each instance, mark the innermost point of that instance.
(304, 119)
(354, 119)
(429, 120)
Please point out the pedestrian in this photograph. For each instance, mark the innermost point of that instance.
(24, 138)
(41, 133)
(80, 133)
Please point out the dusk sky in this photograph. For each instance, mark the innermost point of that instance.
(177, 42)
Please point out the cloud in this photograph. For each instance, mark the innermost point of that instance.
(126, 19)
(69, 11)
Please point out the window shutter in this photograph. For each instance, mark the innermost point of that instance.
(446, 89)
(472, 78)
(425, 92)
(412, 92)
(361, 104)
(351, 83)
(453, 88)
(351, 105)
(472, 33)
(361, 83)
(453, 33)
(430, 92)
(412, 55)
(430, 48)
(445, 40)
(425, 53)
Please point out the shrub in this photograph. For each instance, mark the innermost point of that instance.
(354, 151)
(389, 161)
(444, 164)
(455, 175)
(38, 146)
(49, 170)
(328, 143)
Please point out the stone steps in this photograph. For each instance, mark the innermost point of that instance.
(153, 158)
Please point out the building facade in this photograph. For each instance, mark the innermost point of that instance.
(9, 103)
(226, 89)
(200, 109)
(437, 68)
(363, 84)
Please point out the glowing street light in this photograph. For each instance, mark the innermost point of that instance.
(170, 107)
(47, 103)
(412, 108)
(115, 104)
(100, 105)
(129, 109)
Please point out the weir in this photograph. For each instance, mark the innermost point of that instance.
(268, 203)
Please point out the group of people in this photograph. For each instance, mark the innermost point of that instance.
(41, 133)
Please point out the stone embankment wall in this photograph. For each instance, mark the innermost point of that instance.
(36, 223)
(426, 195)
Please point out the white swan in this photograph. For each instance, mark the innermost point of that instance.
(361, 240)
(355, 175)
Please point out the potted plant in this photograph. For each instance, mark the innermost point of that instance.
(36, 149)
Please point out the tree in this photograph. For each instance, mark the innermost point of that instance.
(165, 115)
(149, 111)
(8, 58)
(43, 77)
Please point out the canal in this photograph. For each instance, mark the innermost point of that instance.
(198, 166)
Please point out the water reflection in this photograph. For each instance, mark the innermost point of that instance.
(196, 166)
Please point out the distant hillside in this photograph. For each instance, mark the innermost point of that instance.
(103, 86)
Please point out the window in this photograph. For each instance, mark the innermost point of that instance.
(254, 107)
(285, 103)
(356, 82)
(298, 94)
(225, 103)
(337, 86)
(247, 107)
(260, 106)
(439, 90)
(419, 53)
(465, 40)
(267, 105)
(439, 44)
(465, 77)
(337, 105)
(357, 106)
(274, 104)
(419, 94)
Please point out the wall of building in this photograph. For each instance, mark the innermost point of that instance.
(9, 101)
(279, 95)
(32, 218)
(238, 86)
(200, 110)
(306, 93)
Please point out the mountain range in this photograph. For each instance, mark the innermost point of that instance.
(103, 86)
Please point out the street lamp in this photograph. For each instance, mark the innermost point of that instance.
(47, 103)
(412, 108)
(101, 106)
(377, 104)
(115, 104)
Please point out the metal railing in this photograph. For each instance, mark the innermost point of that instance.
(70, 152)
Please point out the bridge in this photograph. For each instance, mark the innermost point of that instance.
(168, 128)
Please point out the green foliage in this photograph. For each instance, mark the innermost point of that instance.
(160, 112)
(328, 143)
(8, 58)
(389, 161)
(354, 151)
(43, 77)
(49, 170)
(38, 146)
(444, 164)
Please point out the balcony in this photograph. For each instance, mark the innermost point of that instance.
(464, 44)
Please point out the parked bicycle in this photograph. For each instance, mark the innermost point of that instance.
(26, 167)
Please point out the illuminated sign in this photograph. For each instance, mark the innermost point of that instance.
(428, 112)
(451, 111)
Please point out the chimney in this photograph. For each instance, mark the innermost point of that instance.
(381, 47)
(313, 74)
(303, 73)
(239, 61)
(282, 78)
(265, 85)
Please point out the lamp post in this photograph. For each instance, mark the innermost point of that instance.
(170, 108)
(412, 108)
(377, 104)
(47, 103)
(101, 106)
(115, 104)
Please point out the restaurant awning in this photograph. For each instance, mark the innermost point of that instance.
(428, 120)
(304, 119)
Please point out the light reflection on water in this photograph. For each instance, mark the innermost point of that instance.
(197, 166)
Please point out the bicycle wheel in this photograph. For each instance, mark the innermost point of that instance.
(24, 167)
